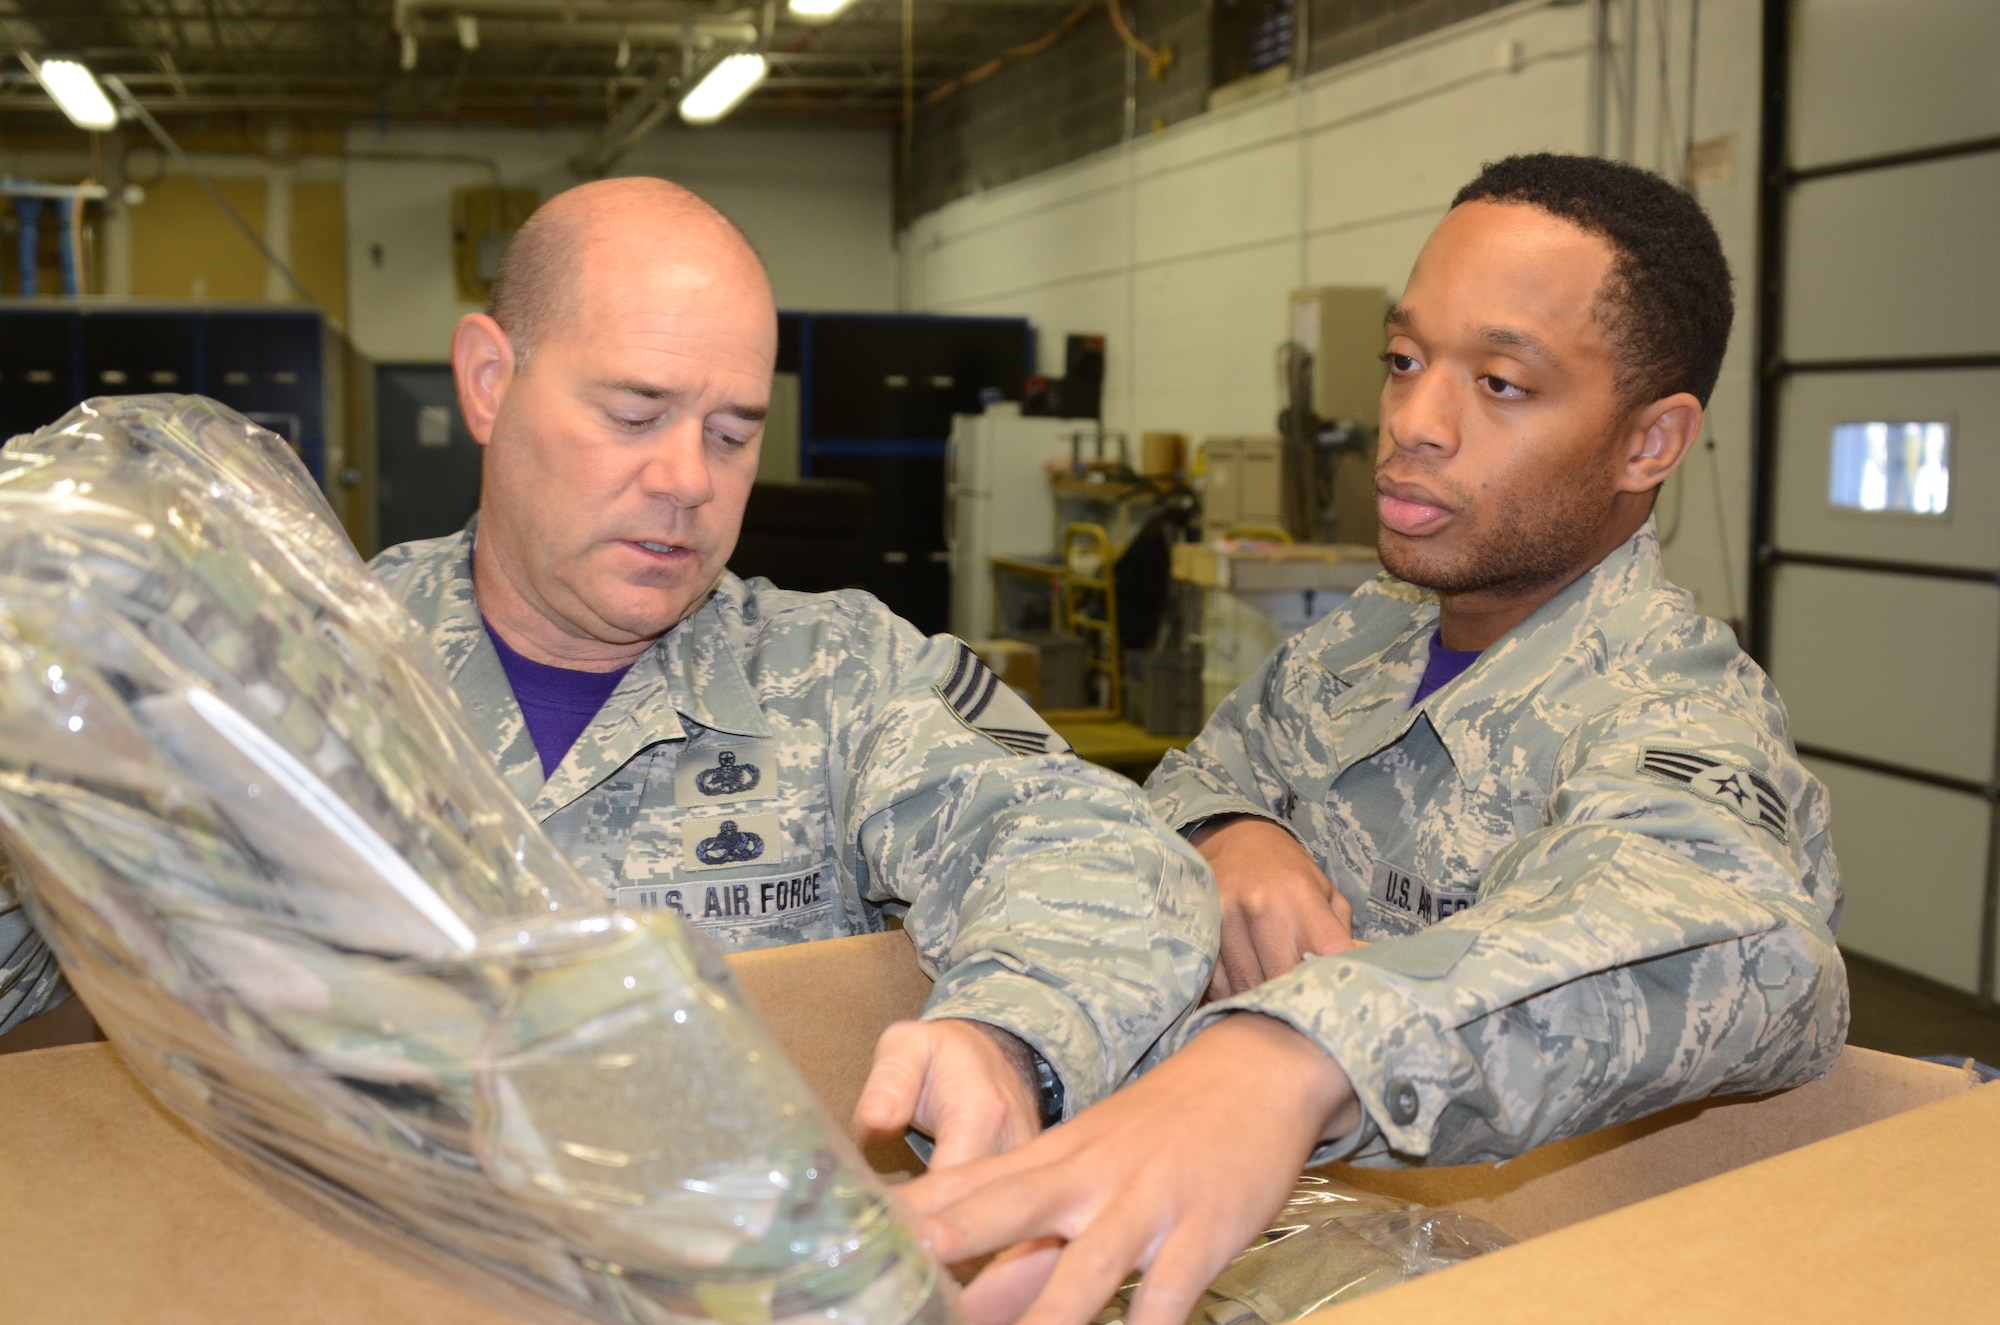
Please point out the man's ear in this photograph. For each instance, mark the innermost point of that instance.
(1659, 438)
(482, 363)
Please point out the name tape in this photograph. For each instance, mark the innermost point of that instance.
(737, 901)
(1410, 895)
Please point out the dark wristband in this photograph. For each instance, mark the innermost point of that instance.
(1048, 1091)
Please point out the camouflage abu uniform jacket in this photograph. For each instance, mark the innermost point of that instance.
(1595, 879)
(785, 766)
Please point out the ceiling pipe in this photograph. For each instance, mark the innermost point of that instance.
(517, 31)
(569, 13)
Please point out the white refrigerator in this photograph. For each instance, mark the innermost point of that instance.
(997, 501)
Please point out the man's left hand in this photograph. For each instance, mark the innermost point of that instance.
(964, 1083)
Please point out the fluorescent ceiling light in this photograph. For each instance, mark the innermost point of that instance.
(75, 90)
(819, 9)
(723, 86)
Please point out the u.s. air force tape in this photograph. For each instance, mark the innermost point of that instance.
(1753, 797)
(736, 901)
(975, 693)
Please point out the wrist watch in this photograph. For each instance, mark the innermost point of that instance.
(1048, 1090)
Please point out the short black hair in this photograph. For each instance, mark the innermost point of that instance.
(1667, 304)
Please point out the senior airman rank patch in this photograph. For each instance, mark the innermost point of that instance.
(974, 692)
(1751, 795)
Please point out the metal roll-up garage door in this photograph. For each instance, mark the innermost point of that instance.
(1878, 510)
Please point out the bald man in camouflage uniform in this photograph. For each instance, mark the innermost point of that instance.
(1557, 803)
(774, 766)
(787, 766)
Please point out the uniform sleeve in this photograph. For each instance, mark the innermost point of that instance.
(1664, 935)
(30, 981)
(1042, 893)
(1231, 768)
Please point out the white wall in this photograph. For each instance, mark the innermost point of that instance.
(1182, 246)
(815, 202)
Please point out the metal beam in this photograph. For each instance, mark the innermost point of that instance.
(637, 118)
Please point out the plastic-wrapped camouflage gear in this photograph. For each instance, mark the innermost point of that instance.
(253, 825)
(1330, 1244)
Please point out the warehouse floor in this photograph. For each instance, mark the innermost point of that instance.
(1906, 1014)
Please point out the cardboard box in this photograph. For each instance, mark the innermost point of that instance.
(1868, 1196)
(1018, 665)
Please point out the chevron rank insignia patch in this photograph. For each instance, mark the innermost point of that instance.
(975, 693)
(1752, 796)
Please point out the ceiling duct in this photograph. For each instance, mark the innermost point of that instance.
(574, 22)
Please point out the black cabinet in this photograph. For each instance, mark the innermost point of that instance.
(883, 378)
(909, 569)
(141, 353)
(268, 366)
(877, 396)
(265, 363)
(41, 355)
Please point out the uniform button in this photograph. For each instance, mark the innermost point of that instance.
(1403, 1101)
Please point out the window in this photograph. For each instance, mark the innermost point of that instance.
(1900, 467)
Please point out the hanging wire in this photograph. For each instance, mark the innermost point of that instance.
(1694, 53)
(909, 88)
(1025, 50)
(1147, 53)
(1722, 530)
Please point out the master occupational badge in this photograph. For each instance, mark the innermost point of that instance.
(1752, 796)
(727, 778)
(730, 846)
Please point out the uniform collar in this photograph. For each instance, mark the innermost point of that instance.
(694, 670)
(1384, 660)
(706, 653)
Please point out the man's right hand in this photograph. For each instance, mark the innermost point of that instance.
(1278, 906)
(1173, 1174)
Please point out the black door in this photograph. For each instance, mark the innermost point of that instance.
(428, 480)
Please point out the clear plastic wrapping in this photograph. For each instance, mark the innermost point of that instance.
(253, 824)
(1331, 1243)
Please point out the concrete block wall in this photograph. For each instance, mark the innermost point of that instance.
(1071, 100)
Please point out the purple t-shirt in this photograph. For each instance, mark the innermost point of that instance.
(1443, 668)
(557, 702)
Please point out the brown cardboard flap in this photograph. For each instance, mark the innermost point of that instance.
(826, 1002)
(1560, 1184)
(1896, 1221)
(110, 1211)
